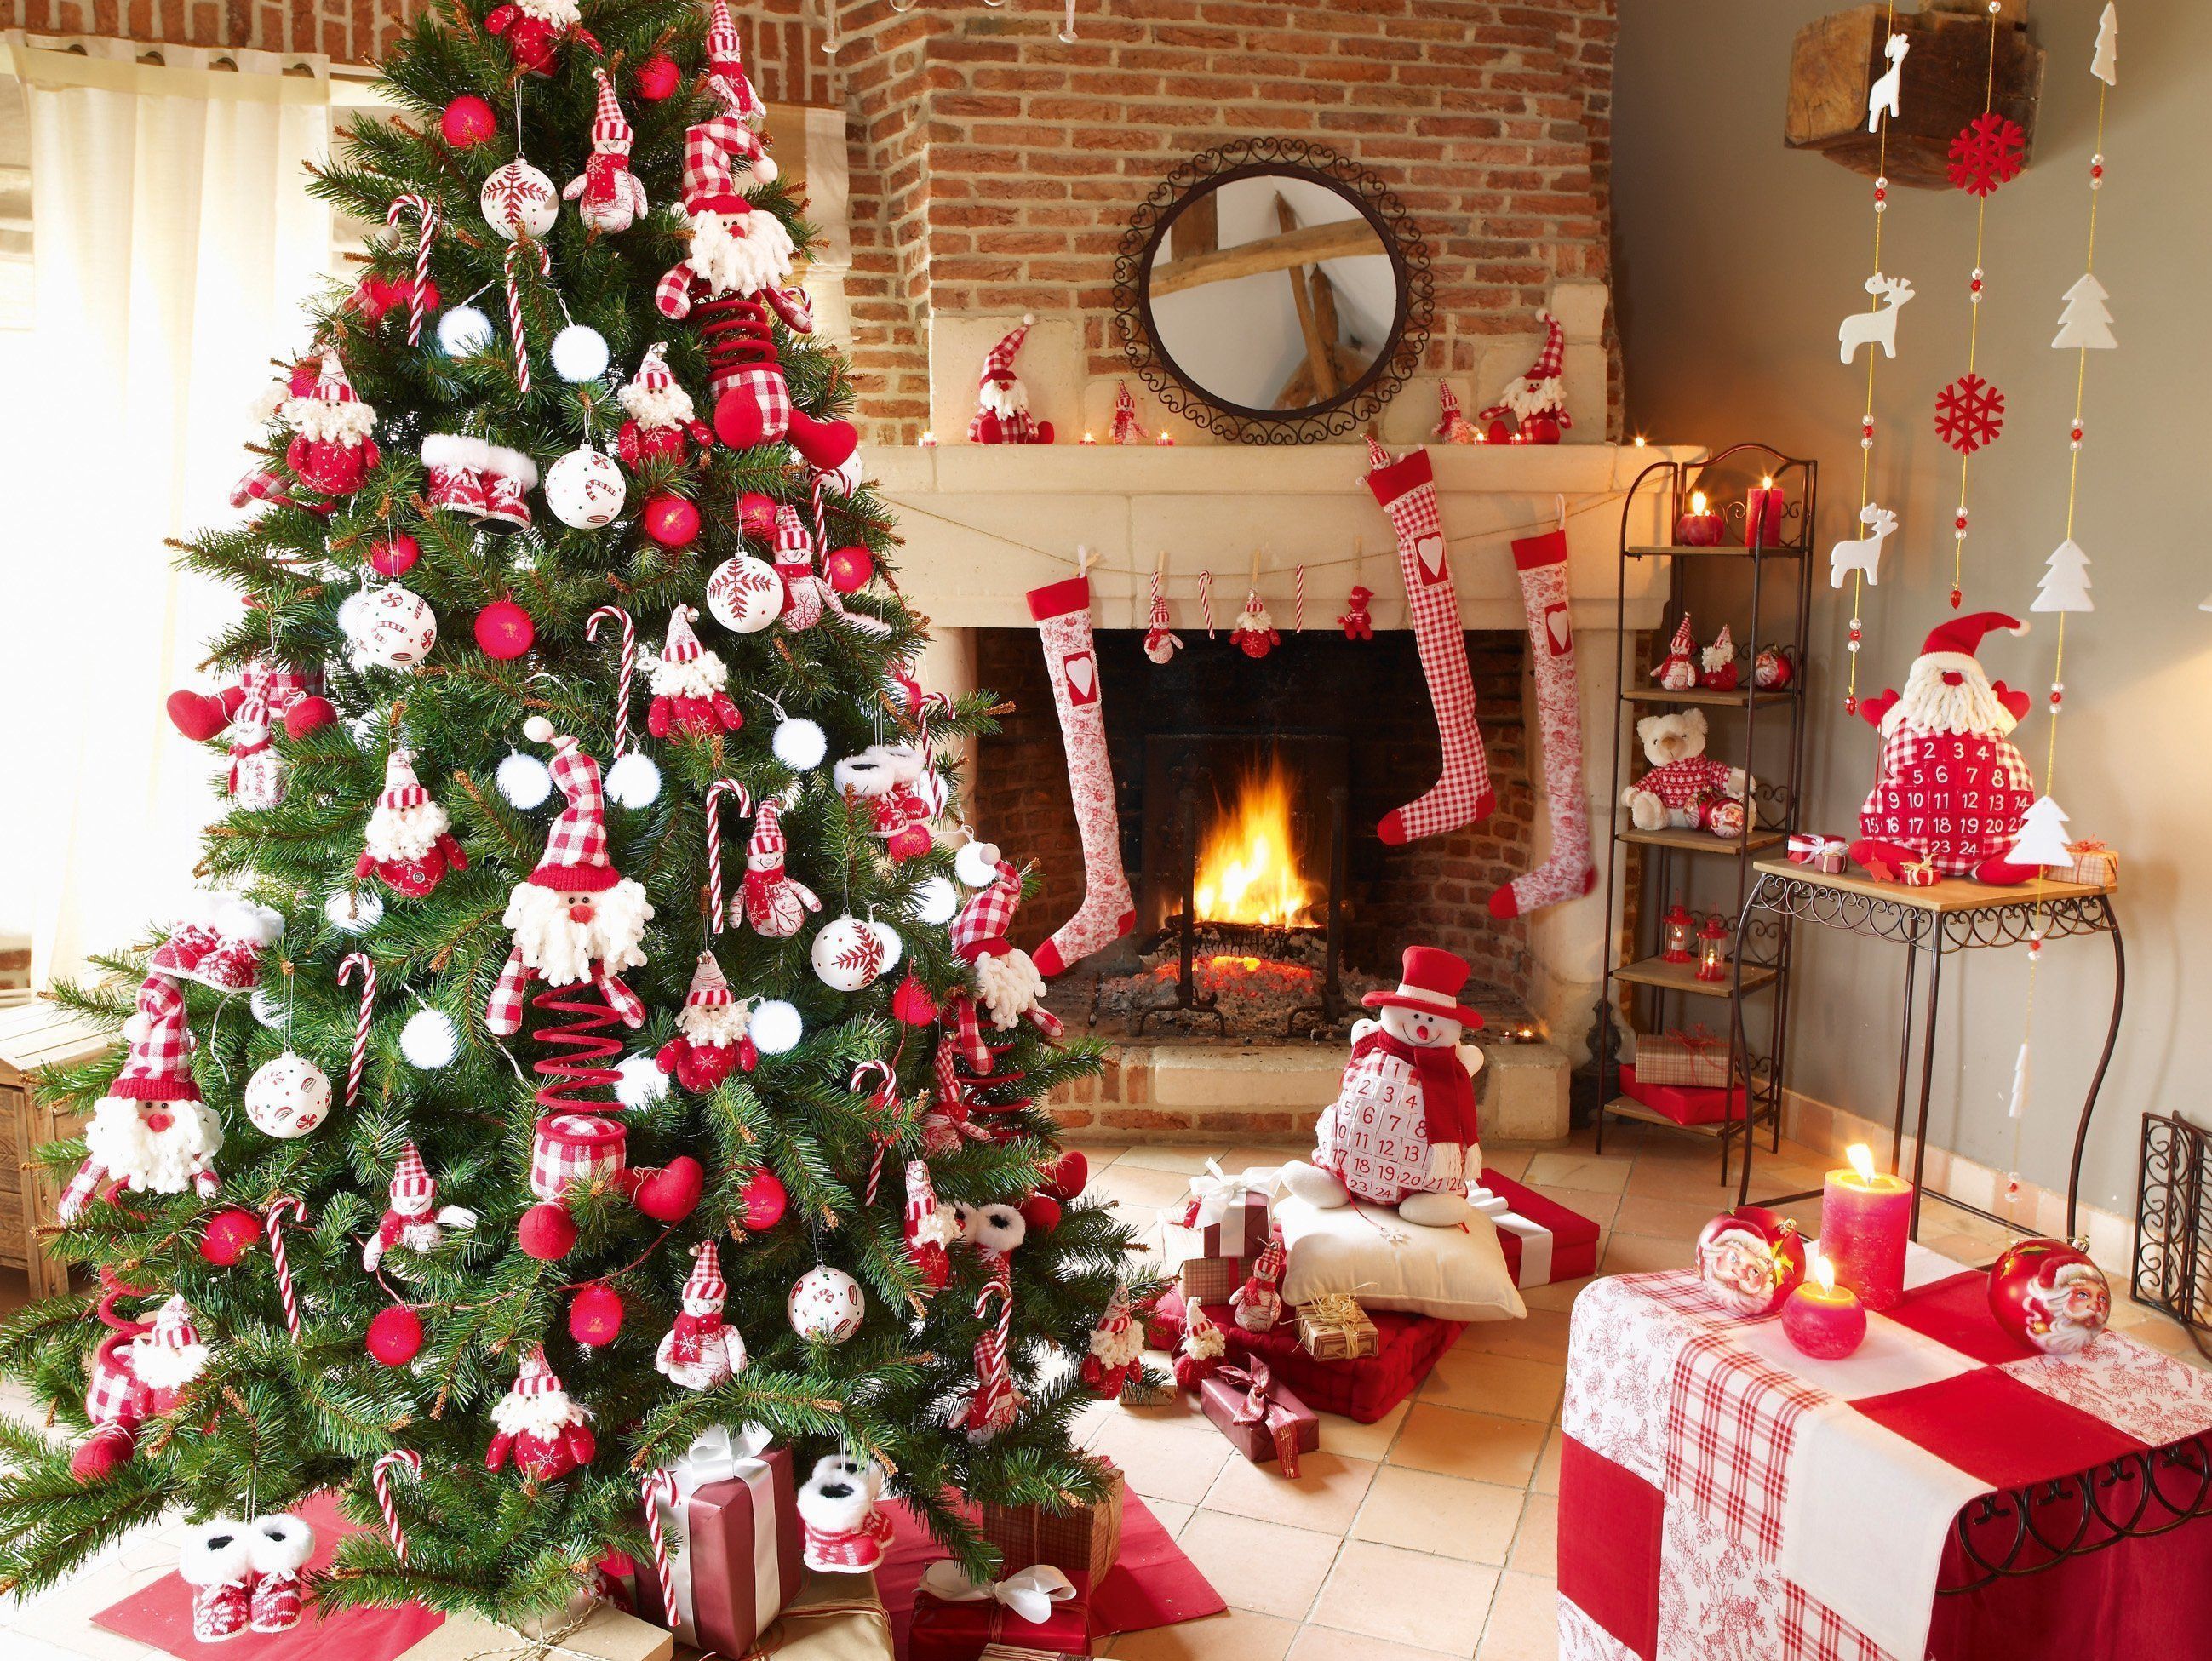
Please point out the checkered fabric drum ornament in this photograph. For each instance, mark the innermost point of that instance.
(575, 1147)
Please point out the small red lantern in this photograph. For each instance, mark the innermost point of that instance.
(1712, 949)
(1679, 928)
(2049, 1295)
(1751, 1259)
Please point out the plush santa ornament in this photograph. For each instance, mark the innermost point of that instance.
(138, 1372)
(1401, 1131)
(735, 252)
(1002, 403)
(1452, 425)
(1682, 778)
(607, 195)
(1204, 1345)
(775, 902)
(332, 452)
(1259, 1301)
(540, 1430)
(903, 792)
(843, 1531)
(992, 1403)
(711, 1040)
(412, 1216)
(661, 421)
(535, 31)
(1537, 400)
(576, 919)
(690, 684)
(1950, 788)
(151, 1133)
(1117, 1346)
(1255, 631)
(410, 841)
(1678, 670)
(700, 1351)
(930, 1228)
(1007, 985)
(1717, 669)
(262, 482)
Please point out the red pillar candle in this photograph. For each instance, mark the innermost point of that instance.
(1866, 1217)
(1762, 515)
(1825, 1321)
(1699, 527)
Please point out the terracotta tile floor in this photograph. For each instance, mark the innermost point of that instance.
(1431, 1532)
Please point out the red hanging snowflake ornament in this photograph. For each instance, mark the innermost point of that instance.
(1987, 152)
(1969, 414)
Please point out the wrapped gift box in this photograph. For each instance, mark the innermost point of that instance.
(961, 1629)
(1684, 1104)
(605, 1634)
(1018, 1652)
(1083, 1541)
(2093, 862)
(834, 1617)
(733, 1544)
(1334, 1328)
(1825, 854)
(1407, 1347)
(1542, 1240)
(1696, 1058)
(1238, 1225)
(1212, 1280)
(1257, 1412)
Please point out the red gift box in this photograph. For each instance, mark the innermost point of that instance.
(1683, 1104)
(733, 1545)
(1251, 1407)
(1824, 853)
(1542, 1240)
(955, 1618)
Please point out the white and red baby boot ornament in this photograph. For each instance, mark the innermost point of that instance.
(1401, 1131)
(1678, 670)
(536, 30)
(843, 1531)
(1005, 981)
(1002, 403)
(992, 1403)
(453, 466)
(1682, 779)
(409, 842)
(1117, 1346)
(690, 684)
(607, 194)
(711, 1041)
(1537, 400)
(151, 1133)
(701, 1350)
(776, 902)
(412, 1216)
(332, 452)
(660, 421)
(543, 1432)
(1254, 632)
(138, 1372)
(903, 792)
(216, 1561)
(930, 1228)
(1259, 1302)
(1717, 669)
(282, 1546)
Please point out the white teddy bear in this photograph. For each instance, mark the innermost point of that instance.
(1681, 774)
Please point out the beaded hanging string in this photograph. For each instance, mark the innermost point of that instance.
(1876, 296)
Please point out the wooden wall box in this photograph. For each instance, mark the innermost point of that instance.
(33, 1036)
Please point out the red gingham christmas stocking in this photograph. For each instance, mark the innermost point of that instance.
(1062, 611)
(1568, 874)
(1462, 794)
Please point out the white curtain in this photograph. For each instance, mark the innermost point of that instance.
(174, 243)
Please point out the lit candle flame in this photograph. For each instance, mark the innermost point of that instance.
(1766, 484)
(1824, 1272)
(1862, 1158)
(1698, 502)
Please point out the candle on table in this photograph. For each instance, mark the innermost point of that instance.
(1762, 515)
(1827, 1322)
(1866, 1216)
(1699, 527)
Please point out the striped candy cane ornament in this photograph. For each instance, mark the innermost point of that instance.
(379, 1477)
(283, 1205)
(629, 668)
(993, 1407)
(1298, 600)
(401, 206)
(514, 250)
(1206, 600)
(715, 792)
(366, 964)
(657, 1489)
(879, 1105)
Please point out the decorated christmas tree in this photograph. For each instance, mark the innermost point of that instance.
(546, 1147)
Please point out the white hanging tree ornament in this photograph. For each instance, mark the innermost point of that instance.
(2085, 323)
(1882, 96)
(1876, 327)
(1863, 553)
(2042, 839)
(2104, 60)
(2065, 586)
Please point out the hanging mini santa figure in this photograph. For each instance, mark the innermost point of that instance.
(843, 1531)
(1117, 1346)
(776, 902)
(690, 684)
(151, 1133)
(903, 792)
(540, 1431)
(1356, 623)
(607, 195)
(1717, 670)
(332, 452)
(661, 421)
(930, 1228)
(1950, 787)
(261, 482)
(992, 1403)
(700, 1351)
(576, 919)
(1160, 640)
(535, 30)
(410, 841)
(1253, 631)
(1002, 403)
(412, 1216)
(1007, 985)
(711, 1041)
(1678, 670)
(1259, 1301)
(1204, 1345)
(138, 1372)
(1537, 400)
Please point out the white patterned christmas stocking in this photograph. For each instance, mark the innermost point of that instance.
(1062, 611)
(1568, 873)
(1408, 492)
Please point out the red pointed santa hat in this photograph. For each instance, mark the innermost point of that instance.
(792, 544)
(709, 990)
(768, 831)
(160, 1065)
(1684, 644)
(331, 386)
(705, 1284)
(726, 61)
(575, 860)
(536, 1376)
(999, 361)
(1553, 358)
(610, 128)
(412, 1189)
(981, 929)
(1953, 643)
(682, 645)
(402, 789)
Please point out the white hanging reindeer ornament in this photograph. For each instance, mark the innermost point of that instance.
(1863, 553)
(1883, 94)
(1878, 327)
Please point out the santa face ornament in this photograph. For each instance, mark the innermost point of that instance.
(1751, 1261)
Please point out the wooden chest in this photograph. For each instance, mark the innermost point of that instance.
(33, 1036)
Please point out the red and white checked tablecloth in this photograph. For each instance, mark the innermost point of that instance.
(1724, 1496)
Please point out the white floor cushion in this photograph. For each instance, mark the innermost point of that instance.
(1386, 1263)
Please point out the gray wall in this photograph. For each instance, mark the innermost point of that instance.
(1736, 259)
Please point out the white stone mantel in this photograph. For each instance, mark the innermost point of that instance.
(984, 525)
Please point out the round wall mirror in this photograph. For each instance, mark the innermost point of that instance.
(1274, 292)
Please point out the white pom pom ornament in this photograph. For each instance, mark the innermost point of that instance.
(976, 864)
(826, 1303)
(775, 1027)
(639, 1081)
(522, 780)
(352, 911)
(463, 331)
(287, 1097)
(579, 353)
(799, 744)
(847, 955)
(893, 948)
(935, 901)
(585, 488)
(634, 781)
(429, 1040)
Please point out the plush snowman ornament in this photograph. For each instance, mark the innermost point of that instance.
(1401, 1131)
(412, 1216)
(700, 1351)
(844, 1531)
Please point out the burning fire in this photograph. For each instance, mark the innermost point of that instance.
(1247, 869)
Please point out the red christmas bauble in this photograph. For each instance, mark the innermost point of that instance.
(671, 1193)
(1751, 1260)
(757, 514)
(657, 78)
(595, 1316)
(504, 629)
(849, 568)
(1041, 1213)
(228, 1235)
(764, 1200)
(309, 714)
(2049, 1295)
(912, 1003)
(467, 120)
(392, 556)
(1065, 1177)
(546, 1232)
(671, 521)
(395, 1337)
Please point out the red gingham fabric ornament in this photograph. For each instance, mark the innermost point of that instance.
(726, 61)
(575, 1147)
(705, 1283)
(981, 929)
(159, 1067)
(609, 126)
(575, 860)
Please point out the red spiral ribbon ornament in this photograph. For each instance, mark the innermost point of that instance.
(715, 792)
(514, 250)
(283, 1206)
(355, 1061)
(577, 1082)
(616, 614)
(428, 210)
(657, 1488)
(877, 1106)
(379, 1478)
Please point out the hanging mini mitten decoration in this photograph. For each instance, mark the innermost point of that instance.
(1678, 671)
(776, 902)
(1007, 983)
(661, 420)
(291, 693)
(689, 683)
(1716, 663)
(1356, 623)
(1204, 1345)
(710, 1033)
(330, 452)
(1126, 429)
(543, 1433)
(1452, 426)
(216, 1562)
(410, 841)
(1259, 1301)
(137, 1371)
(903, 790)
(535, 29)
(929, 1227)
(1002, 403)
(844, 1531)
(1117, 1346)
(992, 1403)
(607, 194)
(412, 1216)
(1253, 631)
(281, 1544)
(151, 1133)
(701, 1350)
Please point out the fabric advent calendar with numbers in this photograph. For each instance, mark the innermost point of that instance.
(1956, 797)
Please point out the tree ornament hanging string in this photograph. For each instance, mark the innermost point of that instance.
(1876, 297)
(427, 211)
(621, 618)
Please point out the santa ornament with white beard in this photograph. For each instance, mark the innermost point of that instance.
(137, 1373)
(410, 841)
(1002, 403)
(1950, 787)
(661, 419)
(541, 1431)
(711, 1039)
(151, 1133)
(691, 685)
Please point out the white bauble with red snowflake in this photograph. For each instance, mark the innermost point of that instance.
(744, 594)
(585, 488)
(826, 1303)
(847, 954)
(288, 1096)
(518, 198)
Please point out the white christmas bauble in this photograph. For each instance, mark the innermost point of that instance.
(518, 198)
(775, 1026)
(579, 353)
(744, 594)
(894, 947)
(799, 744)
(351, 911)
(634, 781)
(935, 901)
(268, 1006)
(976, 864)
(522, 780)
(463, 331)
(429, 1040)
(353, 611)
(586, 488)
(826, 1303)
(847, 955)
(397, 628)
(287, 1097)
(639, 1081)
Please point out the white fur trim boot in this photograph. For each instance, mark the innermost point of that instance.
(282, 1546)
(217, 1564)
(845, 1534)
(509, 477)
(454, 466)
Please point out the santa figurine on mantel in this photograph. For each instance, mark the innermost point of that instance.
(1002, 403)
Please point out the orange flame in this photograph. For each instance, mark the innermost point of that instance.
(1247, 869)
